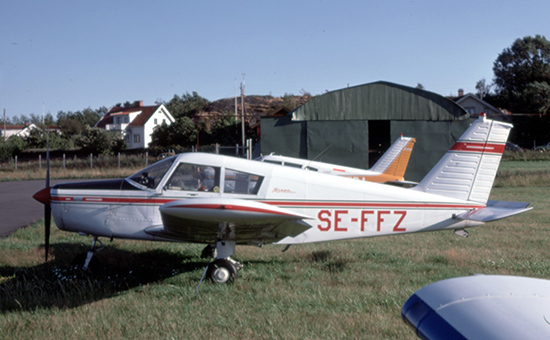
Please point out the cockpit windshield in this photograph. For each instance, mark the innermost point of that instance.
(151, 175)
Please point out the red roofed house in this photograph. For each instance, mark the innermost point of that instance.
(136, 123)
(17, 130)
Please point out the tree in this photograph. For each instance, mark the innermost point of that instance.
(187, 105)
(38, 138)
(483, 89)
(76, 122)
(226, 131)
(100, 141)
(13, 146)
(181, 133)
(522, 76)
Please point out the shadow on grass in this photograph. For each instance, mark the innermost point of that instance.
(59, 283)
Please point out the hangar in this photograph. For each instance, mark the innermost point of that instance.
(355, 125)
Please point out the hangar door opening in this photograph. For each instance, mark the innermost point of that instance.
(379, 139)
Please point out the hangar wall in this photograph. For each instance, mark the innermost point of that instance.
(355, 126)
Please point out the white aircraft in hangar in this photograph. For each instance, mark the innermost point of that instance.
(390, 168)
(227, 201)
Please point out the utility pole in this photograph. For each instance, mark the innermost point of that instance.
(4, 135)
(235, 99)
(242, 113)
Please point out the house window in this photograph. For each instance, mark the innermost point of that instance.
(156, 123)
(136, 138)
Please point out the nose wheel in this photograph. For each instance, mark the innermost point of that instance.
(222, 271)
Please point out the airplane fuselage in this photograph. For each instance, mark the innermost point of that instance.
(336, 207)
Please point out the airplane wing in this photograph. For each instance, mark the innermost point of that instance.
(249, 222)
(495, 210)
(481, 307)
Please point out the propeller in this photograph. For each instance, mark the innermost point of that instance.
(43, 196)
(47, 207)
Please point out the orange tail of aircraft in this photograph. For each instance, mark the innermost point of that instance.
(393, 164)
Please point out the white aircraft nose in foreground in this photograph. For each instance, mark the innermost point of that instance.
(224, 201)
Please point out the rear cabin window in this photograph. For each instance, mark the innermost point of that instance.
(273, 162)
(237, 182)
(293, 165)
(194, 177)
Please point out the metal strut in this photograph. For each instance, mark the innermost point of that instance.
(91, 253)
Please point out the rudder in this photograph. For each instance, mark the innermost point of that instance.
(468, 170)
(395, 160)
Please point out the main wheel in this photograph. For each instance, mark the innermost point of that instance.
(222, 271)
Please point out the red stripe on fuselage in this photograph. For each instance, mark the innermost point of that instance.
(230, 207)
(478, 147)
(376, 205)
(294, 204)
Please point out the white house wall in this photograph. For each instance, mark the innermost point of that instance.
(133, 132)
(156, 119)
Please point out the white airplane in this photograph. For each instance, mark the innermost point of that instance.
(224, 201)
(485, 307)
(390, 168)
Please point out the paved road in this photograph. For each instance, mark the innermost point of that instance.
(17, 207)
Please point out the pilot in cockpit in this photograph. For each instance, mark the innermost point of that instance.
(206, 178)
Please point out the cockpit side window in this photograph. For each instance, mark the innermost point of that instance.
(151, 175)
(237, 182)
(194, 177)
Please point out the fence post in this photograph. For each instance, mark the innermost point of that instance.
(249, 148)
(64, 163)
(237, 149)
(217, 149)
(91, 161)
(15, 162)
(146, 158)
(119, 160)
(39, 161)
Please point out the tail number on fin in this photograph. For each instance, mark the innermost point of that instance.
(341, 221)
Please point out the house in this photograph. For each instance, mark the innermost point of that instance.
(475, 105)
(17, 130)
(136, 122)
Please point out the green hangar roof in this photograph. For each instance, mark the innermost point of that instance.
(380, 100)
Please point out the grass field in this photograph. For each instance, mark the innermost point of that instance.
(335, 290)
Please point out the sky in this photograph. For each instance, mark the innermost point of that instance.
(72, 55)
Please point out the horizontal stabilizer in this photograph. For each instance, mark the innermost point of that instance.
(495, 210)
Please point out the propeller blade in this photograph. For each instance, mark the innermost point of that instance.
(47, 207)
(47, 225)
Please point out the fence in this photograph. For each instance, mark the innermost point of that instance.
(117, 161)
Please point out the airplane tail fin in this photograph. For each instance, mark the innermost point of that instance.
(467, 171)
(395, 160)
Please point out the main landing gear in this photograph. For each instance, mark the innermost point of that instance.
(223, 269)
